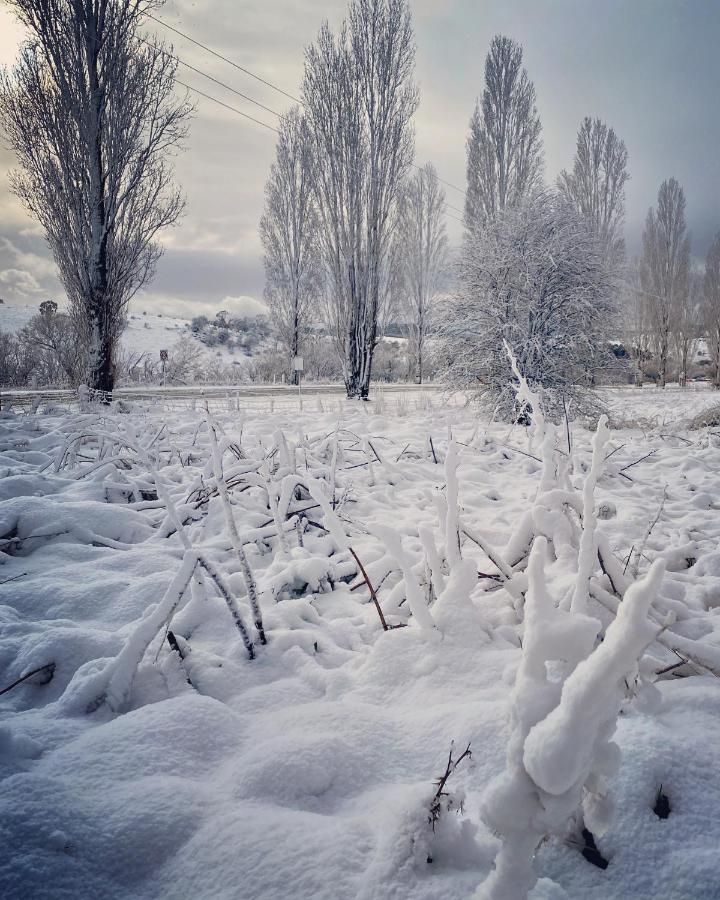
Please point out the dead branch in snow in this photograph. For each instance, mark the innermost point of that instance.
(436, 804)
(45, 674)
(366, 580)
(635, 462)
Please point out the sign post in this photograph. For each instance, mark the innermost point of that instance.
(298, 366)
(163, 360)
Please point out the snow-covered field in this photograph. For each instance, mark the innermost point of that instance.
(309, 771)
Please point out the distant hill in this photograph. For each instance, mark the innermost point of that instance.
(145, 333)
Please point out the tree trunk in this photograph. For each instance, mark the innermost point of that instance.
(420, 342)
(360, 342)
(100, 368)
(662, 368)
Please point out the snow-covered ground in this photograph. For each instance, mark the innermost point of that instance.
(309, 771)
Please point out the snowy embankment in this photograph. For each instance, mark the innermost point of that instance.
(149, 755)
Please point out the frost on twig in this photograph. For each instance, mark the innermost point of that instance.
(560, 758)
(587, 556)
(413, 591)
(249, 578)
(452, 527)
(120, 674)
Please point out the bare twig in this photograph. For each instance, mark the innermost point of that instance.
(47, 671)
(452, 764)
(630, 465)
(14, 578)
(370, 588)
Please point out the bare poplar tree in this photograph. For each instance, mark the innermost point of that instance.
(421, 255)
(665, 266)
(289, 234)
(504, 148)
(636, 322)
(359, 100)
(711, 306)
(685, 325)
(90, 113)
(596, 185)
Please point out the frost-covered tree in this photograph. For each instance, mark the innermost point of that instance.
(422, 256)
(596, 185)
(637, 330)
(534, 278)
(685, 326)
(665, 267)
(52, 339)
(711, 306)
(359, 99)
(90, 112)
(289, 234)
(504, 148)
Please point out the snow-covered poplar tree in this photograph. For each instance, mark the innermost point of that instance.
(665, 266)
(359, 100)
(711, 306)
(290, 238)
(596, 185)
(504, 148)
(685, 325)
(421, 256)
(90, 113)
(636, 322)
(534, 277)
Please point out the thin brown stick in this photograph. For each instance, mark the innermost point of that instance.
(630, 465)
(370, 588)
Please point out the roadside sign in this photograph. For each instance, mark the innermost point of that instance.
(163, 355)
(298, 364)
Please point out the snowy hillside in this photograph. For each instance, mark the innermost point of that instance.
(14, 317)
(145, 333)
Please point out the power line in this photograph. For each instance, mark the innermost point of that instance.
(212, 78)
(450, 206)
(267, 84)
(223, 58)
(226, 105)
(264, 124)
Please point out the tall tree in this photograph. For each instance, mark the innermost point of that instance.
(290, 237)
(636, 321)
(359, 99)
(504, 148)
(711, 306)
(665, 266)
(89, 111)
(685, 325)
(596, 185)
(422, 256)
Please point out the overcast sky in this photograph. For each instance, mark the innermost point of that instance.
(649, 68)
